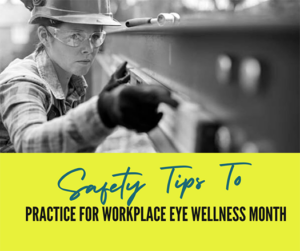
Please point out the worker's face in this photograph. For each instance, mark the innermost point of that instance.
(74, 60)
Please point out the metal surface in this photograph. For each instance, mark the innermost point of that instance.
(261, 96)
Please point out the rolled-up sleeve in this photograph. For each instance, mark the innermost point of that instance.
(24, 114)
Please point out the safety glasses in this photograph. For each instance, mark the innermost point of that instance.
(75, 38)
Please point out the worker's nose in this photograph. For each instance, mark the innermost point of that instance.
(87, 46)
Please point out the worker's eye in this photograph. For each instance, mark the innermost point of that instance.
(76, 36)
(96, 36)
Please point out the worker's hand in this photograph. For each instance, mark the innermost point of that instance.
(134, 107)
(28, 4)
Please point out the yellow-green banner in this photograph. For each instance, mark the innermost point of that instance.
(149, 202)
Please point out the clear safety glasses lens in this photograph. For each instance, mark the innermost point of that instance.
(74, 38)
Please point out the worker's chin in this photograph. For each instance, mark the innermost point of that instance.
(79, 71)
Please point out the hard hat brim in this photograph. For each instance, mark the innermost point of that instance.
(93, 19)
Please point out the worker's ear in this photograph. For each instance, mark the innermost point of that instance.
(44, 36)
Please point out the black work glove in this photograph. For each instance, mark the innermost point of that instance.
(134, 107)
(28, 4)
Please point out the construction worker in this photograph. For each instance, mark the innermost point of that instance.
(41, 96)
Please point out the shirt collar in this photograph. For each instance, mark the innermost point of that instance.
(48, 73)
(79, 83)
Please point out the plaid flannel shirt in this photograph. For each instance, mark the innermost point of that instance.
(35, 115)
